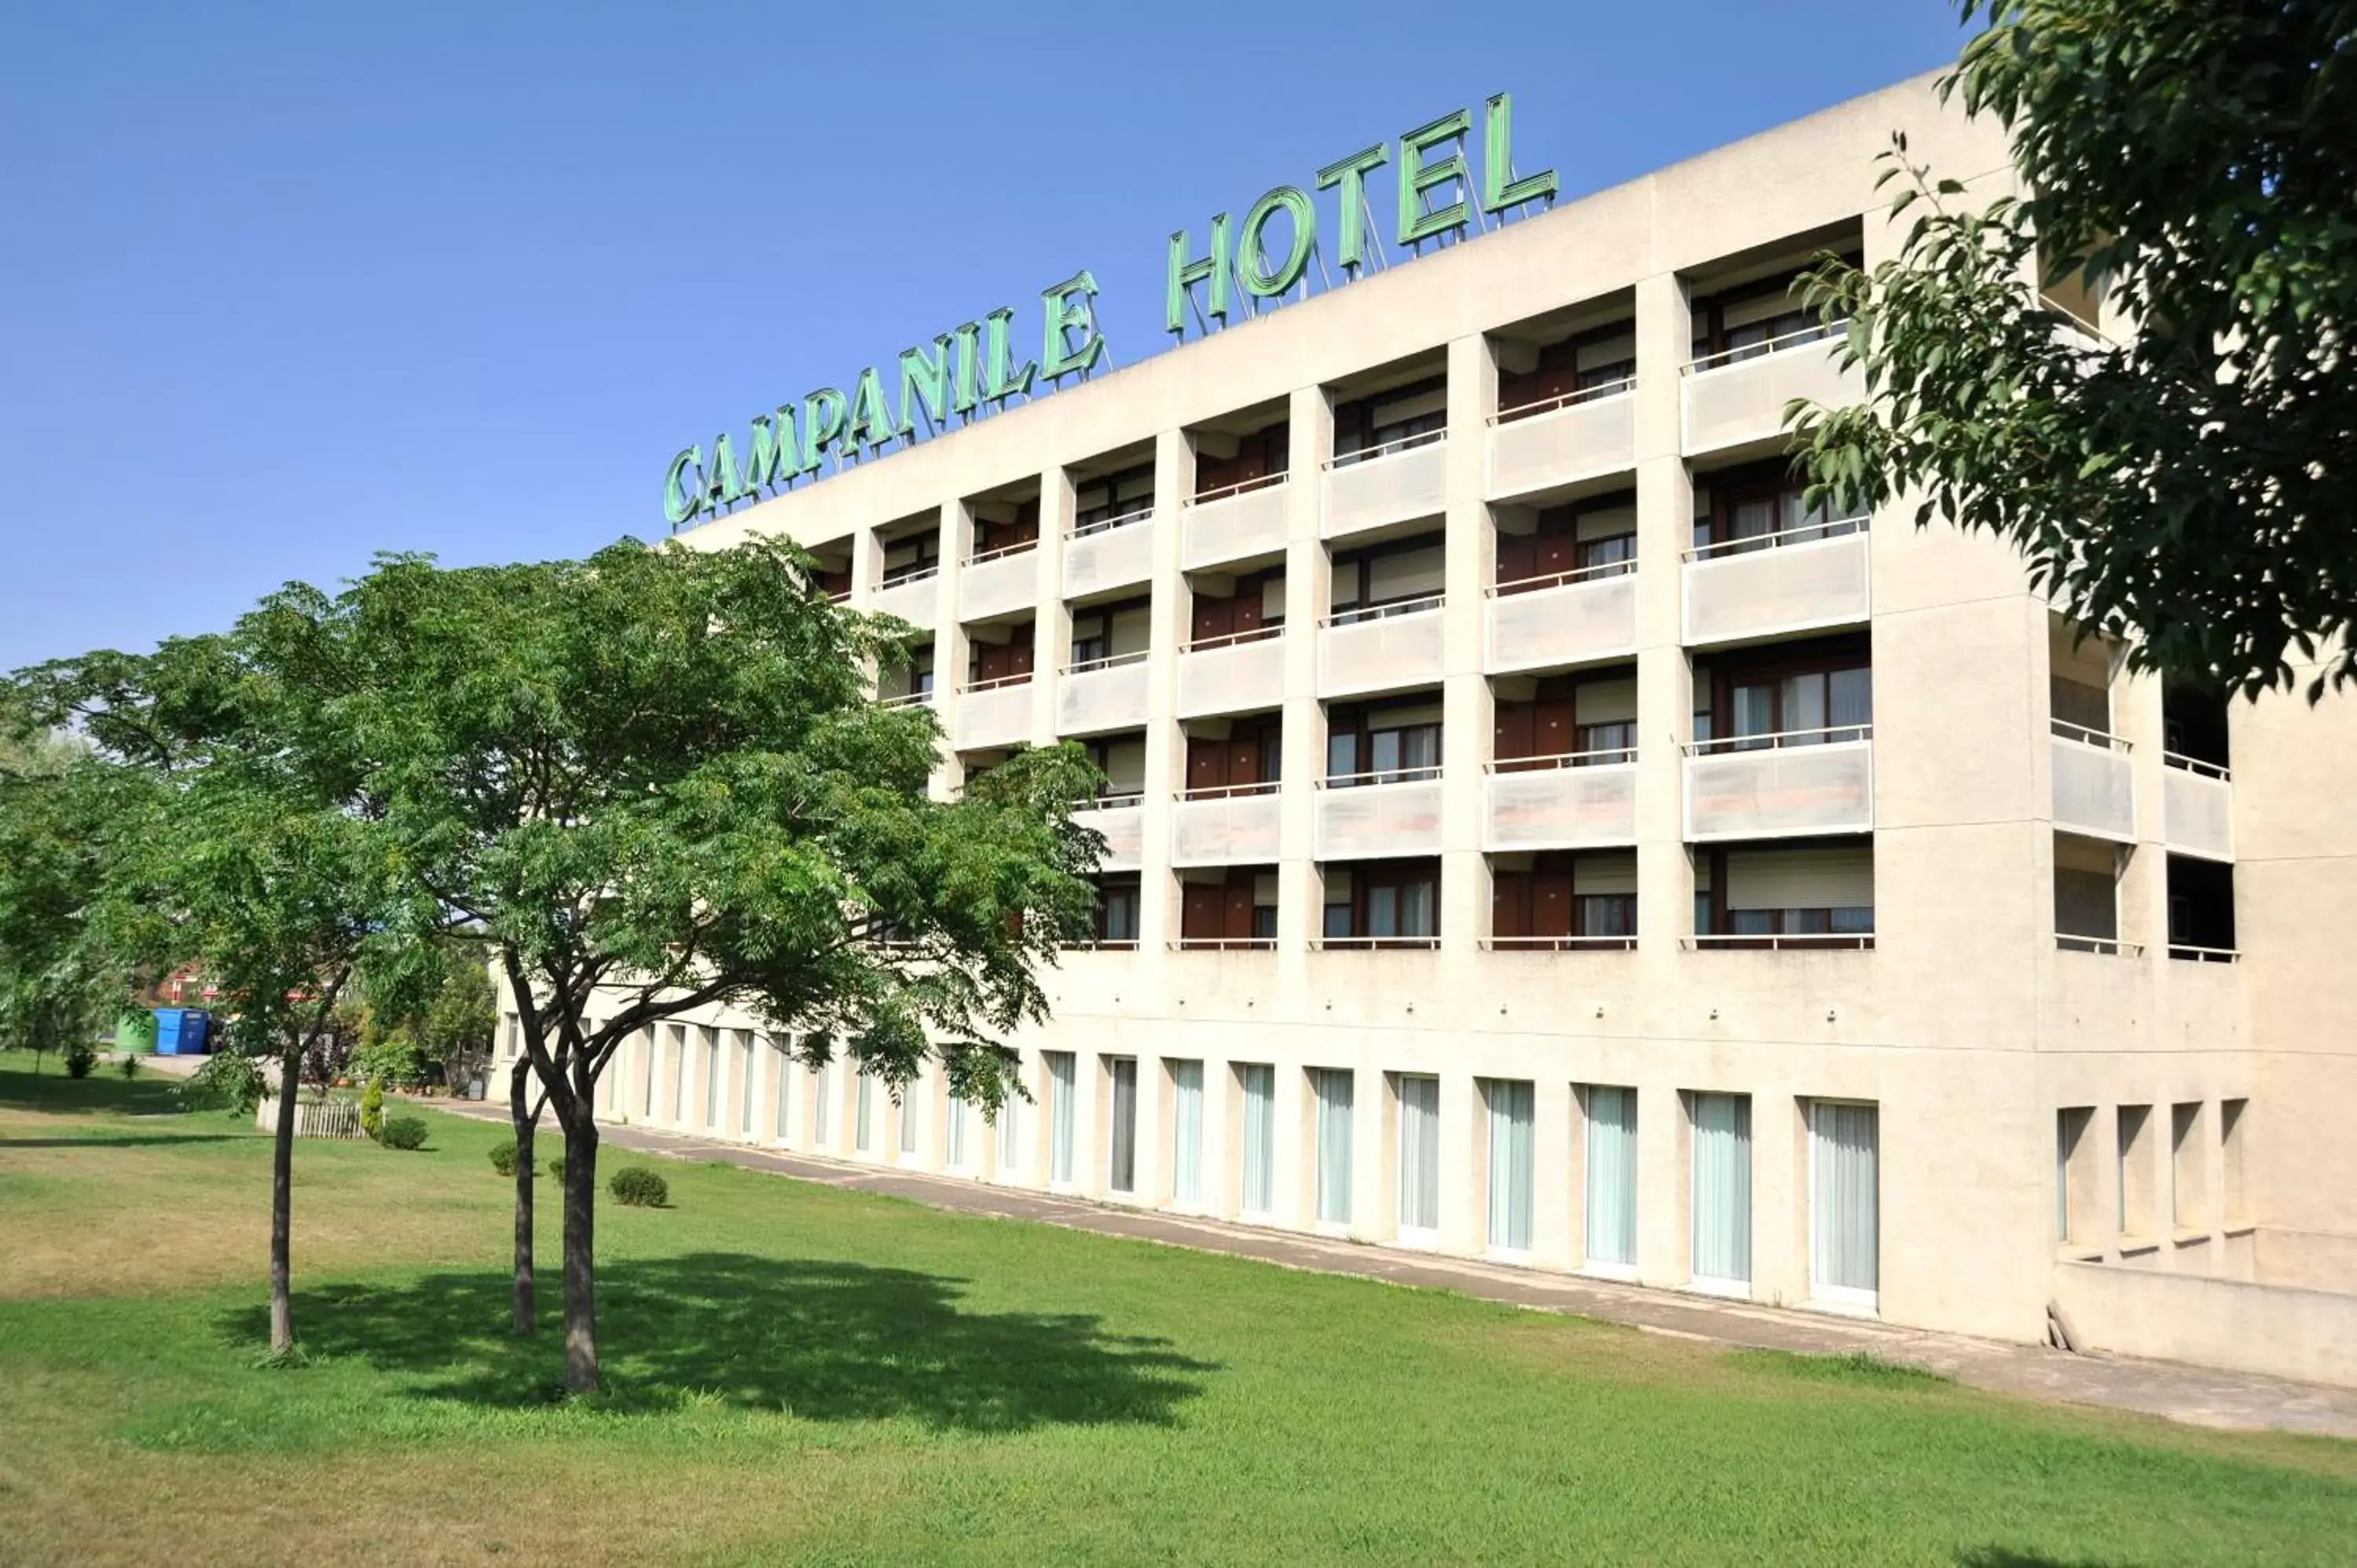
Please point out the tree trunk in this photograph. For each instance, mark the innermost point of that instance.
(581, 1256)
(525, 1117)
(281, 1209)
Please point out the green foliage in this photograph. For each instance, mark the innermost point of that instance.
(80, 1057)
(70, 952)
(639, 1187)
(403, 1133)
(503, 1157)
(372, 1110)
(227, 1081)
(128, 1066)
(2193, 482)
(557, 1167)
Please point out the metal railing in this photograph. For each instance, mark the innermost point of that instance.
(1852, 942)
(1234, 639)
(1816, 333)
(1111, 800)
(1100, 944)
(1389, 448)
(1107, 524)
(893, 578)
(904, 700)
(2100, 739)
(1379, 776)
(1578, 395)
(1232, 792)
(1242, 487)
(1560, 944)
(1373, 944)
(1513, 585)
(1110, 662)
(2110, 947)
(993, 686)
(1806, 533)
(1361, 613)
(1830, 735)
(996, 553)
(2192, 954)
(1224, 944)
(1604, 757)
(2194, 765)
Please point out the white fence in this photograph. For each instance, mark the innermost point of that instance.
(314, 1118)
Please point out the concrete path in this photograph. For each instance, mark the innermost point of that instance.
(2158, 1388)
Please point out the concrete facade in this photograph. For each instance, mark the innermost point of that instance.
(2202, 1094)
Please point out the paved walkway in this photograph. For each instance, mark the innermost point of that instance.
(2180, 1393)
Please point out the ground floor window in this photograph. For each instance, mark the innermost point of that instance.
(1187, 1133)
(956, 1132)
(1010, 1136)
(1122, 1157)
(909, 1116)
(1722, 1190)
(863, 1137)
(1419, 1157)
(1512, 1182)
(1611, 1208)
(1334, 1090)
(822, 1104)
(1062, 1081)
(1258, 1081)
(1845, 1214)
(781, 1067)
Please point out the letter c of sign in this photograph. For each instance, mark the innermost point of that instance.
(682, 502)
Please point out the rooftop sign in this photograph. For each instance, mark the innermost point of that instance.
(966, 373)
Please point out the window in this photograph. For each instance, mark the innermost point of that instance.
(1247, 759)
(1593, 361)
(1612, 1170)
(864, 1129)
(782, 1070)
(1121, 1158)
(1258, 1184)
(1005, 661)
(1759, 507)
(1563, 721)
(1512, 1183)
(912, 556)
(2074, 1154)
(1417, 411)
(1108, 632)
(1000, 529)
(1333, 1089)
(712, 1078)
(1010, 1135)
(1388, 579)
(2189, 1207)
(909, 1117)
(1396, 743)
(2232, 1115)
(2086, 892)
(1117, 910)
(956, 1129)
(2200, 909)
(1260, 457)
(1741, 321)
(1062, 1082)
(2137, 1218)
(1419, 1158)
(1383, 904)
(646, 1039)
(1187, 1133)
(745, 1094)
(1722, 1191)
(1255, 609)
(682, 1067)
(1240, 909)
(1559, 895)
(1115, 499)
(822, 1104)
(1597, 536)
(1803, 693)
(911, 678)
(1822, 891)
(1844, 1213)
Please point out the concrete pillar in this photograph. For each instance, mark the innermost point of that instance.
(950, 643)
(1664, 675)
(1166, 746)
(1466, 721)
(1309, 596)
(1051, 631)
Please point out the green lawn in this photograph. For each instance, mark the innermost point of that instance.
(801, 1374)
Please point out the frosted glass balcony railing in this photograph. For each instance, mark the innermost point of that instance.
(1237, 674)
(1363, 817)
(1392, 483)
(1562, 441)
(1118, 553)
(1226, 827)
(2197, 807)
(1802, 578)
(999, 583)
(1241, 522)
(1381, 647)
(1780, 786)
(1103, 694)
(1573, 802)
(1737, 397)
(994, 714)
(1122, 820)
(2094, 785)
(912, 599)
(1569, 619)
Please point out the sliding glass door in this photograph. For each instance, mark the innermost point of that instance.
(1511, 1184)
(1611, 1209)
(1419, 1159)
(1334, 1092)
(1062, 1082)
(1259, 1195)
(1187, 1133)
(1722, 1191)
(1121, 1158)
(1844, 1211)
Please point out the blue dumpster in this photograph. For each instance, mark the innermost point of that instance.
(182, 1032)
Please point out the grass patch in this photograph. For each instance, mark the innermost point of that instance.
(808, 1374)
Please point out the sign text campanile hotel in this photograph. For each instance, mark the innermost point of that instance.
(1537, 834)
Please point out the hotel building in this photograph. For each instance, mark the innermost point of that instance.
(1537, 835)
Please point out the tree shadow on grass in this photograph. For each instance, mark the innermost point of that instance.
(2008, 1557)
(827, 1341)
(101, 1138)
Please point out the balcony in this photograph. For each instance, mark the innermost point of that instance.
(1103, 694)
(999, 583)
(994, 714)
(1241, 522)
(1384, 648)
(1736, 398)
(1238, 674)
(1115, 554)
(2197, 807)
(1772, 583)
(1581, 801)
(1375, 816)
(2094, 785)
(1226, 827)
(1799, 783)
(1573, 617)
(1396, 482)
(913, 598)
(1122, 820)
(1545, 446)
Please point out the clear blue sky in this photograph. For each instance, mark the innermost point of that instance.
(285, 285)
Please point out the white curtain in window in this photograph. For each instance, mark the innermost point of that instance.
(1612, 1177)
(1061, 1070)
(745, 1082)
(1419, 1155)
(909, 1115)
(1333, 1085)
(682, 1065)
(1511, 1176)
(781, 1071)
(957, 1133)
(1722, 1188)
(863, 1132)
(1845, 1219)
(712, 1078)
(1187, 1133)
(823, 1108)
(647, 1050)
(1010, 1136)
(1121, 1157)
(1260, 1139)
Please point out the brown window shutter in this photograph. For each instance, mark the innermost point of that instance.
(1207, 763)
(1514, 731)
(1199, 919)
(1238, 907)
(1551, 728)
(1246, 616)
(1510, 904)
(1213, 617)
(1550, 904)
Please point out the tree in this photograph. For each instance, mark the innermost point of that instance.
(233, 850)
(653, 782)
(2192, 481)
(66, 818)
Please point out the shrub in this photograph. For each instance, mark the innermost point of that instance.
(372, 1110)
(129, 1068)
(503, 1157)
(80, 1057)
(639, 1187)
(557, 1167)
(403, 1133)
